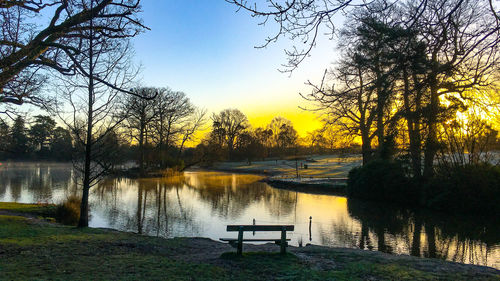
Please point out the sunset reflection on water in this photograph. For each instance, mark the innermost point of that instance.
(202, 203)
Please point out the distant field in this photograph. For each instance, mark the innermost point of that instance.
(317, 166)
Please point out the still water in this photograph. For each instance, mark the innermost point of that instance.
(201, 204)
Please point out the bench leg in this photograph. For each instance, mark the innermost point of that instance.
(283, 241)
(240, 242)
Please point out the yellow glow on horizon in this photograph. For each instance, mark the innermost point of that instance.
(303, 121)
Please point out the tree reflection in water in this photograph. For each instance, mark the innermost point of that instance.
(203, 203)
(157, 207)
(462, 239)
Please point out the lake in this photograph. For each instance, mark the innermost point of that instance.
(201, 204)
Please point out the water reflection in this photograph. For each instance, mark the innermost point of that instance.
(203, 203)
(426, 234)
(35, 182)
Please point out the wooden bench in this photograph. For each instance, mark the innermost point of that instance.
(238, 242)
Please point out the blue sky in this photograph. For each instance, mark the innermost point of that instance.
(206, 49)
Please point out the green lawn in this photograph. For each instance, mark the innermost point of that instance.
(32, 249)
(37, 210)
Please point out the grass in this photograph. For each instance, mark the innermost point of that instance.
(31, 249)
(324, 166)
(37, 210)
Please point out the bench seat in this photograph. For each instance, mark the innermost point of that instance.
(234, 241)
(251, 240)
(238, 242)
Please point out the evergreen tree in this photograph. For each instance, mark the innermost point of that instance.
(41, 133)
(19, 139)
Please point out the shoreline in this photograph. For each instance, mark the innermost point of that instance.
(28, 240)
(319, 185)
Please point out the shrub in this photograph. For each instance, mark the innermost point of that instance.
(473, 188)
(68, 212)
(382, 180)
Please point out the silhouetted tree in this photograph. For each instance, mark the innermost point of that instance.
(40, 134)
(172, 112)
(102, 70)
(227, 126)
(461, 39)
(61, 145)
(284, 135)
(264, 137)
(138, 112)
(19, 139)
(4, 138)
(188, 130)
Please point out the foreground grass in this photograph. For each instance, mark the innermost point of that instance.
(37, 210)
(32, 249)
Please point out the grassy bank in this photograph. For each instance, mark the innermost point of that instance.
(320, 166)
(32, 248)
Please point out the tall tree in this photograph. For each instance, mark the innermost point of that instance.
(102, 71)
(350, 104)
(461, 39)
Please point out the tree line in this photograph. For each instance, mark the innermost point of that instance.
(167, 131)
(43, 140)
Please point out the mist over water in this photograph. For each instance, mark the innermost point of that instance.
(201, 204)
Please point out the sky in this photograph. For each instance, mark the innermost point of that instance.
(207, 50)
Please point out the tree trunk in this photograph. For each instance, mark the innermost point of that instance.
(381, 100)
(84, 206)
(366, 148)
(141, 149)
(431, 145)
(413, 124)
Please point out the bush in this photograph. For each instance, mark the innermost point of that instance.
(68, 212)
(466, 189)
(382, 180)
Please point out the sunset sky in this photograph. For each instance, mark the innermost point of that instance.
(206, 49)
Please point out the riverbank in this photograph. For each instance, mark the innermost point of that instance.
(33, 248)
(321, 174)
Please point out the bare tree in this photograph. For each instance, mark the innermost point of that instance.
(138, 112)
(284, 135)
(101, 70)
(27, 50)
(194, 124)
(461, 39)
(227, 127)
(351, 105)
(172, 111)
